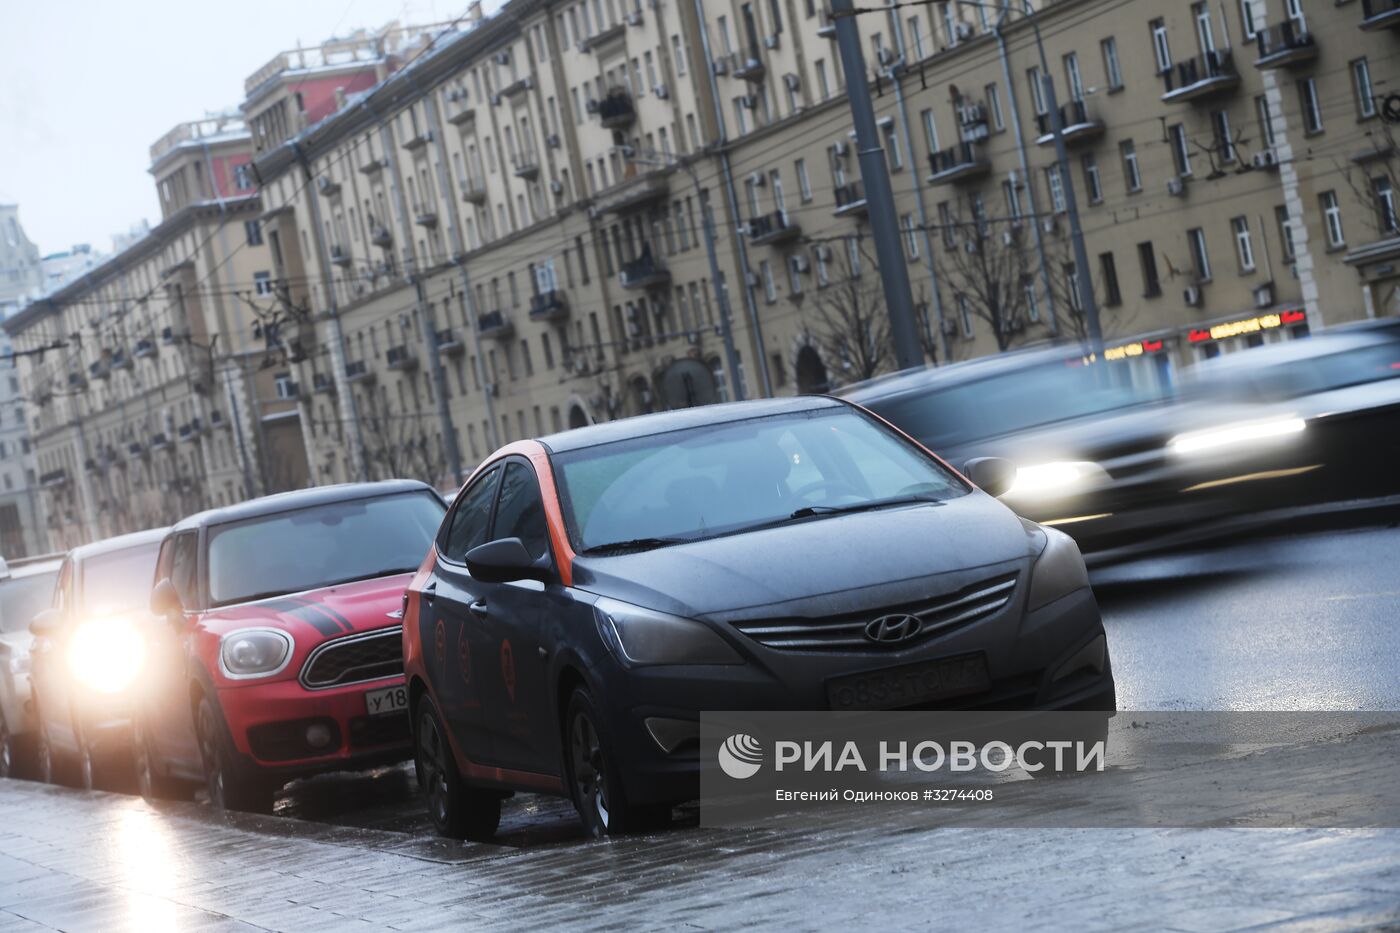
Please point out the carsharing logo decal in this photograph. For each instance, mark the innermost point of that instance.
(740, 756)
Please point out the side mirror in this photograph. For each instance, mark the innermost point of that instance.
(992, 475)
(46, 623)
(502, 561)
(165, 600)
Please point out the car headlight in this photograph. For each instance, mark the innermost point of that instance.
(1054, 479)
(641, 637)
(19, 665)
(1058, 571)
(106, 655)
(1234, 435)
(254, 652)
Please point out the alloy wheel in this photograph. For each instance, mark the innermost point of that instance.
(7, 751)
(45, 755)
(213, 760)
(85, 767)
(145, 782)
(590, 775)
(430, 753)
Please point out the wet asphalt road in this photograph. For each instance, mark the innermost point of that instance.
(1306, 621)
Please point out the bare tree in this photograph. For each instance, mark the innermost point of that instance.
(849, 321)
(988, 272)
(1374, 178)
(397, 446)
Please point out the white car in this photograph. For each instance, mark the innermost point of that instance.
(26, 588)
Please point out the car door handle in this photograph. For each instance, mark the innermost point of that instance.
(478, 608)
(429, 592)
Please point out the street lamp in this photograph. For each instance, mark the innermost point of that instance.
(726, 329)
(1083, 281)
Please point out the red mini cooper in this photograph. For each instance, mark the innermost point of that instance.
(276, 650)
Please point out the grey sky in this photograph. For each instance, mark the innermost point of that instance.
(87, 85)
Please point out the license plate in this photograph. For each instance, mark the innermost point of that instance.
(910, 684)
(386, 701)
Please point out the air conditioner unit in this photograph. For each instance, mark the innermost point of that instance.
(962, 31)
(503, 58)
(1265, 158)
(552, 140)
(758, 179)
(1192, 296)
(591, 106)
(720, 66)
(770, 42)
(886, 56)
(841, 148)
(793, 82)
(324, 183)
(556, 186)
(1048, 225)
(950, 327)
(1176, 187)
(1007, 237)
(661, 92)
(971, 246)
(1264, 295)
(582, 45)
(751, 279)
(581, 364)
(634, 18)
(496, 100)
(455, 94)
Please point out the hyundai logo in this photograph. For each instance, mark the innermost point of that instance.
(893, 628)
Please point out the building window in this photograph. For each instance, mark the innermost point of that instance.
(1361, 84)
(1037, 91)
(1332, 219)
(994, 106)
(930, 130)
(823, 84)
(1205, 34)
(262, 283)
(946, 225)
(1092, 182)
(1200, 257)
(1266, 120)
(1108, 269)
(823, 270)
(1244, 245)
(1285, 232)
(1073, 77)
(283, 386)
(853, 255)
(1076, 297)
(891, 134)
(1383, 193)
(252, 229)
(1251, 27)
(1132, 173)
(795, 268)
(1181, 149)
(1312, 110)
(1224, 145)
(1160, 47)
(916, 38)
(1111, 66)
(243, 176)
(911, 236)
(770, 287)
(1057, 188)
(804, 184)
(1012, 194)
(964, 315)
(1147, 261)
(1032, 302)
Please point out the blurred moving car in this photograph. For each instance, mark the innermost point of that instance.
(1305, 422)
(89, 656)
(1087, 439)
(276, 651)
(26, 588)
(591, 591)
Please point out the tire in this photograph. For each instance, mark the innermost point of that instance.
(47, 768)
(229, 787)
(458, 811)
(595, 778)
(11, 757)
(150, 783)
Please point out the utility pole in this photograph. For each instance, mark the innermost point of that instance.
(879, 198)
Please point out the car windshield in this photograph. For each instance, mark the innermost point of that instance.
(22, 598)
(719, 479)
(321, 545)
(1013, 401)
(119, 581)
(1324, 372)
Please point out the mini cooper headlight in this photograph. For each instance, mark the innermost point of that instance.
(254, 652)
(106, 655)
(641, 637)
(1058, 571)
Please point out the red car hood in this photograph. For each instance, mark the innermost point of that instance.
(316, 615)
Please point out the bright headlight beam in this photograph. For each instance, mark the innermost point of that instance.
(1046, 478)
(106, 655)
(1235, 434)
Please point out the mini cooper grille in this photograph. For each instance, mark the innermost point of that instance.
(937, 616)
(355, 659)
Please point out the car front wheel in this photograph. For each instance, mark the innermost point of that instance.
(228, 788)
(595, 780)
(458, 811)
(9, 751)
(150, 783)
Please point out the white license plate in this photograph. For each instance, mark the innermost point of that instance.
(386, 701)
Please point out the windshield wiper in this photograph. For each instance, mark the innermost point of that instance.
(809, 511)
(633, 544)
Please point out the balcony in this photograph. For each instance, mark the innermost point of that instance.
(449, 344)
(494, 324)
(517, 87)
(120, 360)
(358, 371)
(638, 191)
(644, 272)
(616, 110)
(159, 442)
(339, 255)
(322, 383)
(526, 165)
(600, 39)
(418, 141)
(1380, 14)
(380, 235)
(372, 167)
(328, 186)
(776, 227)
(401, 358)
(749, 67)
(77, 381)
(136, 449)
(425, 215)
(473, 189)
(144, 349)
(54, 478)
(187, 432)
(216, 419)
(1284, 45)
(957, 163)
(1076, 124)
(99, 369)
(1204, 76)
(850, 199)
(549, 306)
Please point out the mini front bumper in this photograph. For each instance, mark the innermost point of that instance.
(1040, 668)
(283, 728)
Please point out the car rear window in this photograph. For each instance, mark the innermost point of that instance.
(22, 598)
